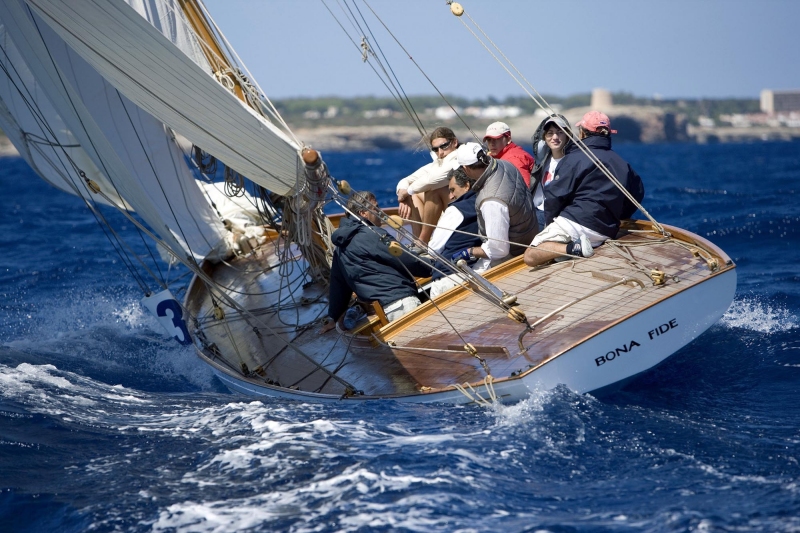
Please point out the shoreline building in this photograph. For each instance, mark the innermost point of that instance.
(774, 102)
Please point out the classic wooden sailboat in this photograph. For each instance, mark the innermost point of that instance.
(128, 104)
(591, 324)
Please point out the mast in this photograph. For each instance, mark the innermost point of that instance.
(217, 58)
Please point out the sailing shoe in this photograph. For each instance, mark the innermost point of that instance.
(418, 250)
(582, 248)
(586, 247)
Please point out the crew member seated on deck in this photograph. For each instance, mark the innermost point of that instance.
(423, 195)
(503, 203)
(498, 140)
(549, 143)
(457, 230)
(583, 207)
(363, 265)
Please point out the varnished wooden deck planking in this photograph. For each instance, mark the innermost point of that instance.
(538, 293)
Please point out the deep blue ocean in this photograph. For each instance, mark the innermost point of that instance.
(107, 425)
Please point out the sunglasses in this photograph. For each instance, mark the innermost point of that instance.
(441, 146)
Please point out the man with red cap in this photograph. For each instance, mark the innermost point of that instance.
(498, 140)
(583, 207)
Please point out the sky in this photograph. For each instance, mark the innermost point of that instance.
(668, 48)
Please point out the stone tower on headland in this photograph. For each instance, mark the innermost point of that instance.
(601, 99)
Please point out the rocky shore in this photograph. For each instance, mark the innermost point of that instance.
(634, 124)
(637, 124)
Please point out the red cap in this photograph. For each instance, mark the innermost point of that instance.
(594, 120)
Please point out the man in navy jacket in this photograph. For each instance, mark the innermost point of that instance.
(362, 264)
(582, 206)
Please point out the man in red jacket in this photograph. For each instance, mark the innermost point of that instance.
(498, 140)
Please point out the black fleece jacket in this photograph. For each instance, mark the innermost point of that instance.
(362, 264)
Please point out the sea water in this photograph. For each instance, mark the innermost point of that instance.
(107, 425)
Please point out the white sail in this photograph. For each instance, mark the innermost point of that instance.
(168, 17)
(136, 152)
(153, 73)
(38, 132)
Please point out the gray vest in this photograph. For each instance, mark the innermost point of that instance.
(502, 182)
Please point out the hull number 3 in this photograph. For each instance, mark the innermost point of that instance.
(627, 348)
(169, 314)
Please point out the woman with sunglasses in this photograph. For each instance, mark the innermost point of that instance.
(423, 195)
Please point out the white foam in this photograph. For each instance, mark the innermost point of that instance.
(111, 330)
(325, 495)
(753, 314)
(47, 390)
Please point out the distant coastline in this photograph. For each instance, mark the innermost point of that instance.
(370, 124)
(635, 124)
(364, 124)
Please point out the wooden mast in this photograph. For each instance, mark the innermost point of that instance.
(214, 54)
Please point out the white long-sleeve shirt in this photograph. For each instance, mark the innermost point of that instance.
(496, 222)
(449, 221)
(429, 177)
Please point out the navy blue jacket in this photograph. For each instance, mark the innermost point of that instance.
(459, 241)
(582, 193)
(362, 264)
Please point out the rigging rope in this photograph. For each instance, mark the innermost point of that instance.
(30, 102)
(366, 51)
(423, 72)
(458, 11)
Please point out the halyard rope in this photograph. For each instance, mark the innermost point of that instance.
(546, 107)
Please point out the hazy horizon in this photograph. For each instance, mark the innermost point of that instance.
(501, 99)
(680, 49)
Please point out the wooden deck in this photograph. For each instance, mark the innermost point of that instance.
(424, 351)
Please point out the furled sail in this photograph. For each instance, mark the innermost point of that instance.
(154, 74)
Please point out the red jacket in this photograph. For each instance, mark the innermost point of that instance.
(517, 156)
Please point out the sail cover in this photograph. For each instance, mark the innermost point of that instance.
(158, 77)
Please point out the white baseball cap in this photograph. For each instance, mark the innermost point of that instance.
(497, 130)
(467, 154)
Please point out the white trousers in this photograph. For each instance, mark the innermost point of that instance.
(401, 307)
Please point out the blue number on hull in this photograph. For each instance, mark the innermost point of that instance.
(172, 307)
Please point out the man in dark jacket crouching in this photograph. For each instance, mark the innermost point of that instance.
(582, 206)
(363, 265)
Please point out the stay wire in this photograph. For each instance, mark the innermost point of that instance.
(83, 126)
(436, 88)
(476, 287)
(405, 98)
(106, 226)
(395, 94)
(546, 107)
(237, 61)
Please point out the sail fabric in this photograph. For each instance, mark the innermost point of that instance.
(158, 77)
(168, 18)
(38, 132)
(148, 151)
(136, 152)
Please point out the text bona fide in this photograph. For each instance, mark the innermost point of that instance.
(654, 333)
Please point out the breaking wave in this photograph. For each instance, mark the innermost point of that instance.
(754, 314)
